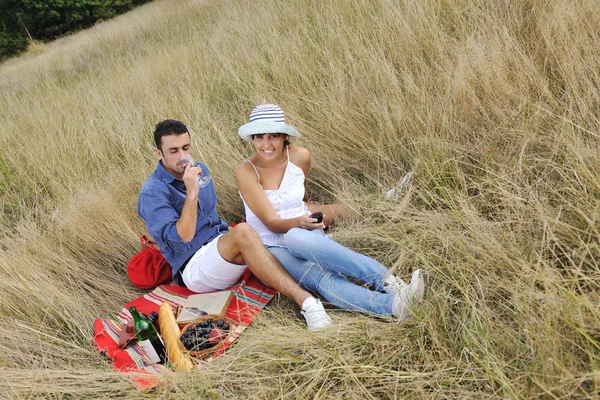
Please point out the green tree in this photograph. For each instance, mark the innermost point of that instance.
(48, 19)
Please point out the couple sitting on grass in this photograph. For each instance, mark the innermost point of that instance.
(280, 243)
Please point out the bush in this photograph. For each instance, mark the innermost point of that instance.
(47, 20)
(11, 44)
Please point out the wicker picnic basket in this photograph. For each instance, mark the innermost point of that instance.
(203, 354)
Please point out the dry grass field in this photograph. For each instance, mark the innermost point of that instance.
(495, 106)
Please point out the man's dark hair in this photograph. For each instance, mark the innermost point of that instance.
(168, 127)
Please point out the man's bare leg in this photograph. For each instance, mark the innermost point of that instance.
(242, 245)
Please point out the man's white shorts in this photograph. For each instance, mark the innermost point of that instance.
(207, 271)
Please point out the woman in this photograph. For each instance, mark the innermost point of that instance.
(272, 186)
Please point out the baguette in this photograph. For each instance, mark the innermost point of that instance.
(169, 330)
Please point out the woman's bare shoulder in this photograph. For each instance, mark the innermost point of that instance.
(244, 169)
(299, 155)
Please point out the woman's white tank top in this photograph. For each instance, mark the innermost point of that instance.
(288, 202)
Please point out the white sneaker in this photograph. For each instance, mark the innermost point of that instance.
(315, 315)
(394, 193)
(420, 287)
(410, 296)
(394, 285)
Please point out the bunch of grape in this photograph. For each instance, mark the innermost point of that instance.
(204, 335)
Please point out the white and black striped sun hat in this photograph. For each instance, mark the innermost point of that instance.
(266, 118)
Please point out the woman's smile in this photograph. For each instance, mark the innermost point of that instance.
(269, 145)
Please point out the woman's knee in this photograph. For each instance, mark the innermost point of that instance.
(294, 232)
(297, 237)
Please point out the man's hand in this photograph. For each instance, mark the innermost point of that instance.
(186, 225)
(190, 178)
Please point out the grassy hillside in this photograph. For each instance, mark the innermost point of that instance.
(494, 105)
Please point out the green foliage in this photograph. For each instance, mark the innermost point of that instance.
(47, 20)
(11, 44)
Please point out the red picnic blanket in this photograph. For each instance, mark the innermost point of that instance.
(250, 296)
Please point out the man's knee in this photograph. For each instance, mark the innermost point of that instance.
(244, 233)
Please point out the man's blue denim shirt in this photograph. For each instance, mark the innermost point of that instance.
(160, 204)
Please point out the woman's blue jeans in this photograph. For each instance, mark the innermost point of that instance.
(319, 264)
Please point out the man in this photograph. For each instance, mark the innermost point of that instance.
(182, 219)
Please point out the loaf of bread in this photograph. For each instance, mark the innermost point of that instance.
(169, 331)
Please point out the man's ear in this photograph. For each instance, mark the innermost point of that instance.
(158, 152)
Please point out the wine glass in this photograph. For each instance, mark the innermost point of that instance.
(188, 159)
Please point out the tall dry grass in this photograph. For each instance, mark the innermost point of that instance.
(494, 105)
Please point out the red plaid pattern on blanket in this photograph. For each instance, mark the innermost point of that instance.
(250, 296)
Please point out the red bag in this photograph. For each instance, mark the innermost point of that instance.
(148, 268)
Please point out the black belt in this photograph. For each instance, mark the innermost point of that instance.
(177, 277)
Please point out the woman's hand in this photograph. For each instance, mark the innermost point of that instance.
(306, 222)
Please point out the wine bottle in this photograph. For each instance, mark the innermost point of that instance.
(153, 317)
(149, 339)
